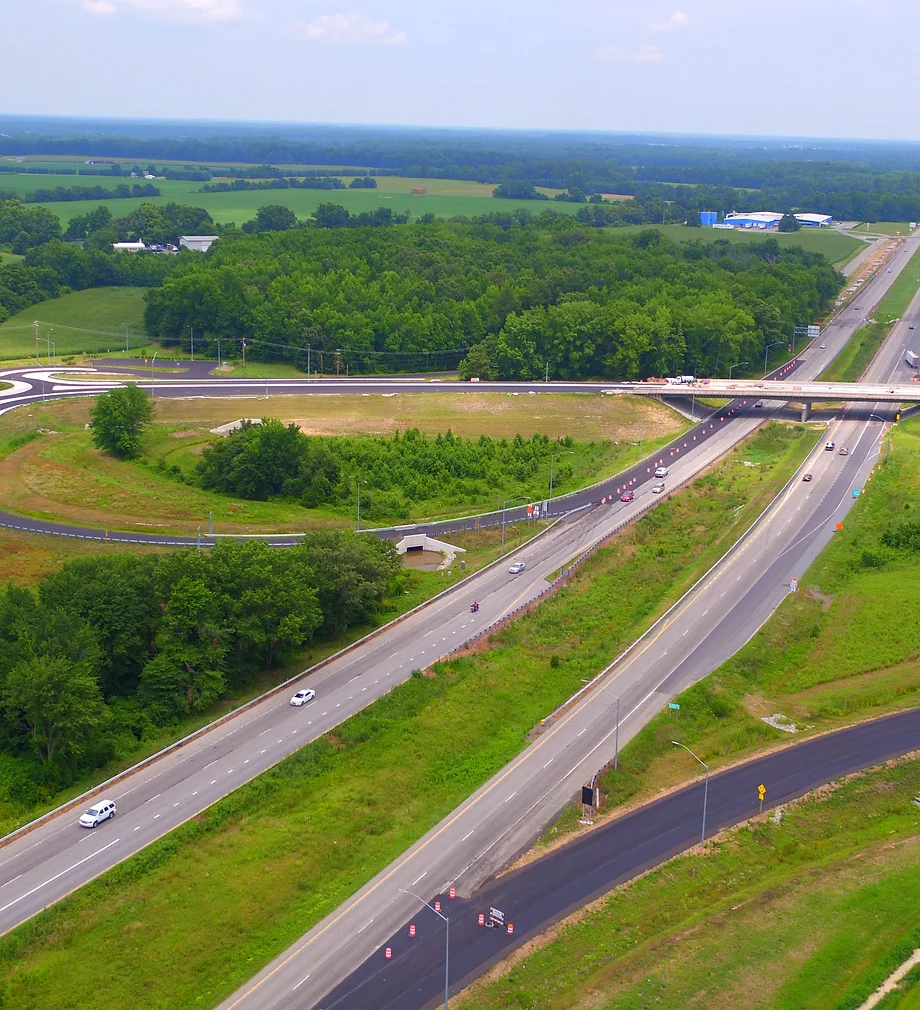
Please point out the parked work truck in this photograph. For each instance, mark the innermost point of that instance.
(912, 359)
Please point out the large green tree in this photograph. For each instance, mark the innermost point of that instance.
(58, 705)
(118, 420)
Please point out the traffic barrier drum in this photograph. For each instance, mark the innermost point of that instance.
(453, 892)
(510, 928)
(412, 929)
(482, 919)
(388, 953)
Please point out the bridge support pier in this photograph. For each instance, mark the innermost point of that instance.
(806, 410)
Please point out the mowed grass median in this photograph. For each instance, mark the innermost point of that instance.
(219, 897)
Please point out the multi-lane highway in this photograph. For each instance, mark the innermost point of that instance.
(504, 815)
(544, 891)
(704, 630)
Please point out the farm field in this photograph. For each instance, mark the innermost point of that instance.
(62, 476)
(90, 320)
(389, 760)
(445, 198)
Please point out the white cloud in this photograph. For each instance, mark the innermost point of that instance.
(347, 29)
(644, 54)
(675, 23)
(171, 10)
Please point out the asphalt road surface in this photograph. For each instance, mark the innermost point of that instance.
(541, 893)
(504, 816)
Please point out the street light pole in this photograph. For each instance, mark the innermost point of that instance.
(446, 920)
(736, 365)
(677, 743)
(766, 353)
(520, 497)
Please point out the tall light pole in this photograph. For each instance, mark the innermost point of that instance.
(552, 460)
(737, 365)
(677, 743)
(766, 353)
(446, 921)
(520, 497)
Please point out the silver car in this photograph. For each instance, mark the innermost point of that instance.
(517, 568)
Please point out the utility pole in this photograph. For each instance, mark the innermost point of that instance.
(192, 331)
(35, 325)
(308, 364)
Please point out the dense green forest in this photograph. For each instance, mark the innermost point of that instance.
(524, 292)
(116, 645)
(398, 475)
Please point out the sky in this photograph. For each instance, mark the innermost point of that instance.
(810, 68)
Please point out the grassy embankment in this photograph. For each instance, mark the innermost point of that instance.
(90, 320)
(853, 360)
(825, 892)
(327, 819)
(60, 475)
(883, 228)
(812, 913)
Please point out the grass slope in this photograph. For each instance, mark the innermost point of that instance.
(62, 475)
(808, 914)
(90, 320)
(282, 852)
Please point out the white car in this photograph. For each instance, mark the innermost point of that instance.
(823, 347)
(517, 568)
(658, 488)
(662, 471)
(100, 811)
(302, 697)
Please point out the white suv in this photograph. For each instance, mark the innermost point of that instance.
(100, 811)
(662, 471)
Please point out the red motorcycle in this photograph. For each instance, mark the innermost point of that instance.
(474, 608)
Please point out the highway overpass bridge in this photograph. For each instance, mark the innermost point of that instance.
(786, 390)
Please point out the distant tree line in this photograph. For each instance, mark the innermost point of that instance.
(399, 474)
(113, 647)
(857, 180)
(524, 292)
(242, 185)
(67, 194)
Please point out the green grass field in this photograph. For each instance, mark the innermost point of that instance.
(809, 914)
(883, 228)
(62, 476)
(90, 320)
(327, 819)
(445, 198)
